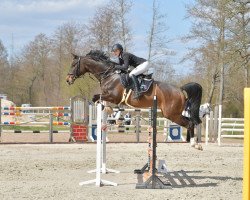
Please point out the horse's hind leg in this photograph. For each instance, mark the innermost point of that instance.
(180, 120)
(184, 122)
(193, 143)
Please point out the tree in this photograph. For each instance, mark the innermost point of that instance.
(158, 51)
(221, 57)
(121, 9)
(4, 67)
(103, 29)
(239, 28)
(110, 25)
(164, 72)
(209, 28)
(157, 40)
(67, 39)
(36, 62)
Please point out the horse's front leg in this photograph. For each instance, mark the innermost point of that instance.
(103, 97)
(190, 134)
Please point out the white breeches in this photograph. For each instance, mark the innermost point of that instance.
(143, 68)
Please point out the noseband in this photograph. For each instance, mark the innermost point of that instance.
(103, 75)
(76, 71)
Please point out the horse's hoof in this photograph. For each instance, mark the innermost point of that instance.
(192, 142)
(199, 147)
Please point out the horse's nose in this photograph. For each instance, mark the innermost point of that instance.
(68, 80)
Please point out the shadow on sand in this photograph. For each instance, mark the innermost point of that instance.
(179, 179)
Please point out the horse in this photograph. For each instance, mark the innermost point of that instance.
(171, 99)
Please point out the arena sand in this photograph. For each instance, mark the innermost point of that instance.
(53, 171)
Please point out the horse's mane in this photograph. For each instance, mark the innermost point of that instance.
(98, 55)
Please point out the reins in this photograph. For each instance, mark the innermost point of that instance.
(103, 75)
(76, 71)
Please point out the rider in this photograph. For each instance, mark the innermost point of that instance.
(127, 59)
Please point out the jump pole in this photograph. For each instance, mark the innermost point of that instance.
(104, 168)
(153, 182)
(137, 130)
(246, 169)
(99, 154)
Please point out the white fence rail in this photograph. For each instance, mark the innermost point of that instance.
(218, 127)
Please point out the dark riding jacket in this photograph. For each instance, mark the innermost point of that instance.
(127, 59)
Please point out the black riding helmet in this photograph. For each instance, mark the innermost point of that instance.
(117, 47)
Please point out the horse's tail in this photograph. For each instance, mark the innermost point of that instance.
(194, 93)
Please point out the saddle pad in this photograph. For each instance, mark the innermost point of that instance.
(145, 85)
(127, 83)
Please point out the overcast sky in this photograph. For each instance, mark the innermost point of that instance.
(27, 18)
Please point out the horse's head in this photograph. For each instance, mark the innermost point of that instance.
(76, 70)
(95, 62)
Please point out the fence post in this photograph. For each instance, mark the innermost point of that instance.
(211, 127)
(71, 119)
(0, 117)
(206, 137)
(137, 126)
(246, 168)
(51, 128)
(165, 130)
(219, 126)
(215, 123)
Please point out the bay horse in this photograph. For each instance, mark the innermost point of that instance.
(171, 99)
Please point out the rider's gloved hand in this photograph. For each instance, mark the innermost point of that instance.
(120, 67)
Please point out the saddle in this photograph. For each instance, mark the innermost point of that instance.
(145, 82)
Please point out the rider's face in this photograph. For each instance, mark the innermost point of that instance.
(116, 52)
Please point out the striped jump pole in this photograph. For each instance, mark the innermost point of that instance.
(51, 128)
(153, 181)
(22, 114)
(36, 108)
(36, 123)
(76, 111)
(133, 109)
(100, 152)
(35, 131)
(246, 168)
(137, 130)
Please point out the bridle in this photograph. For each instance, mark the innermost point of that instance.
(105, 74)
(75, 73)
(76, 70)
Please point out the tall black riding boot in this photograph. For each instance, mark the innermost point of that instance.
(137, 93)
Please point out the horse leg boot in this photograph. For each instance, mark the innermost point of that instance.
(191, 134)
(137, 93)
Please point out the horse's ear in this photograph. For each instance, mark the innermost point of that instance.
(74, 55)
